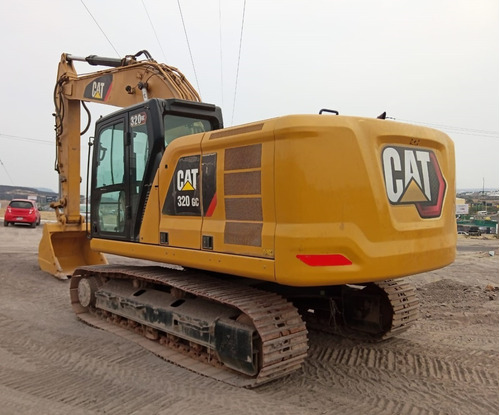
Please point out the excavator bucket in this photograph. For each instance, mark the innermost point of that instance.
(64, 248)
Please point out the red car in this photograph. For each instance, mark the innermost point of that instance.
(22, 211)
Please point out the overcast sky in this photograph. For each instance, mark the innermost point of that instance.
(430, 62)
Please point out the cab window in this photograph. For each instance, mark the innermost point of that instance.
(178, 126)
(110, 156)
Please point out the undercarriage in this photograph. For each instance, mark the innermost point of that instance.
(227, 329)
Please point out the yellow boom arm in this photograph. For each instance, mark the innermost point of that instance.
(64, 245)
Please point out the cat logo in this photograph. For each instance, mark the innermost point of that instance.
(183, 195)
(414, 177)
(99, 89)
(191, 177)
(187, 179)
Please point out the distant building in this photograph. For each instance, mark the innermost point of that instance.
(461, 208)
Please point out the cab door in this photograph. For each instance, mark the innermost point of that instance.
(121, 153)
(109, 185)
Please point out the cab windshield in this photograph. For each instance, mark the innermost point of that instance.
(178, 126)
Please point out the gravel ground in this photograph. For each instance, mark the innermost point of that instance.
(51, 363)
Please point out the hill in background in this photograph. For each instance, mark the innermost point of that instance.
(17, 192)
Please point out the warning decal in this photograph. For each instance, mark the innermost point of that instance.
(183, 196)
(184, 193)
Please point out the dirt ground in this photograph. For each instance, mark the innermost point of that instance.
(51, 363)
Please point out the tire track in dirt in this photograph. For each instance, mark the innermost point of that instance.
(77, 391)
(98, 372)
(384, 389)
(472, 336)
(22, 403)
(406, 357)
(70, 367)
(385, 373)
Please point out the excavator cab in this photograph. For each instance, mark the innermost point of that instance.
(127, 150)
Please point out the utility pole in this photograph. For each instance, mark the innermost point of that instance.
(484, 200)
(5, 168)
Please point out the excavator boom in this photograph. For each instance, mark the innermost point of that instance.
(125, 82)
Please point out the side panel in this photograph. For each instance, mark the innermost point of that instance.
(230, 228)
(241, 220)
(179, 188)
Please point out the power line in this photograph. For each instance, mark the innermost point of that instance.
(239, 56)
(456, 130)
(452, 131)
(16, 137)
(189, 46)
(154, 31)
(32, 140)
(100, 28)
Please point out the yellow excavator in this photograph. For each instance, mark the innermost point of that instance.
(260, 231)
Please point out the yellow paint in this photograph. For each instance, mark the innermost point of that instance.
(323, 192)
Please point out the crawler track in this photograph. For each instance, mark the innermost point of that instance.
(281, 331)
(372, 312)
(404, 303)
